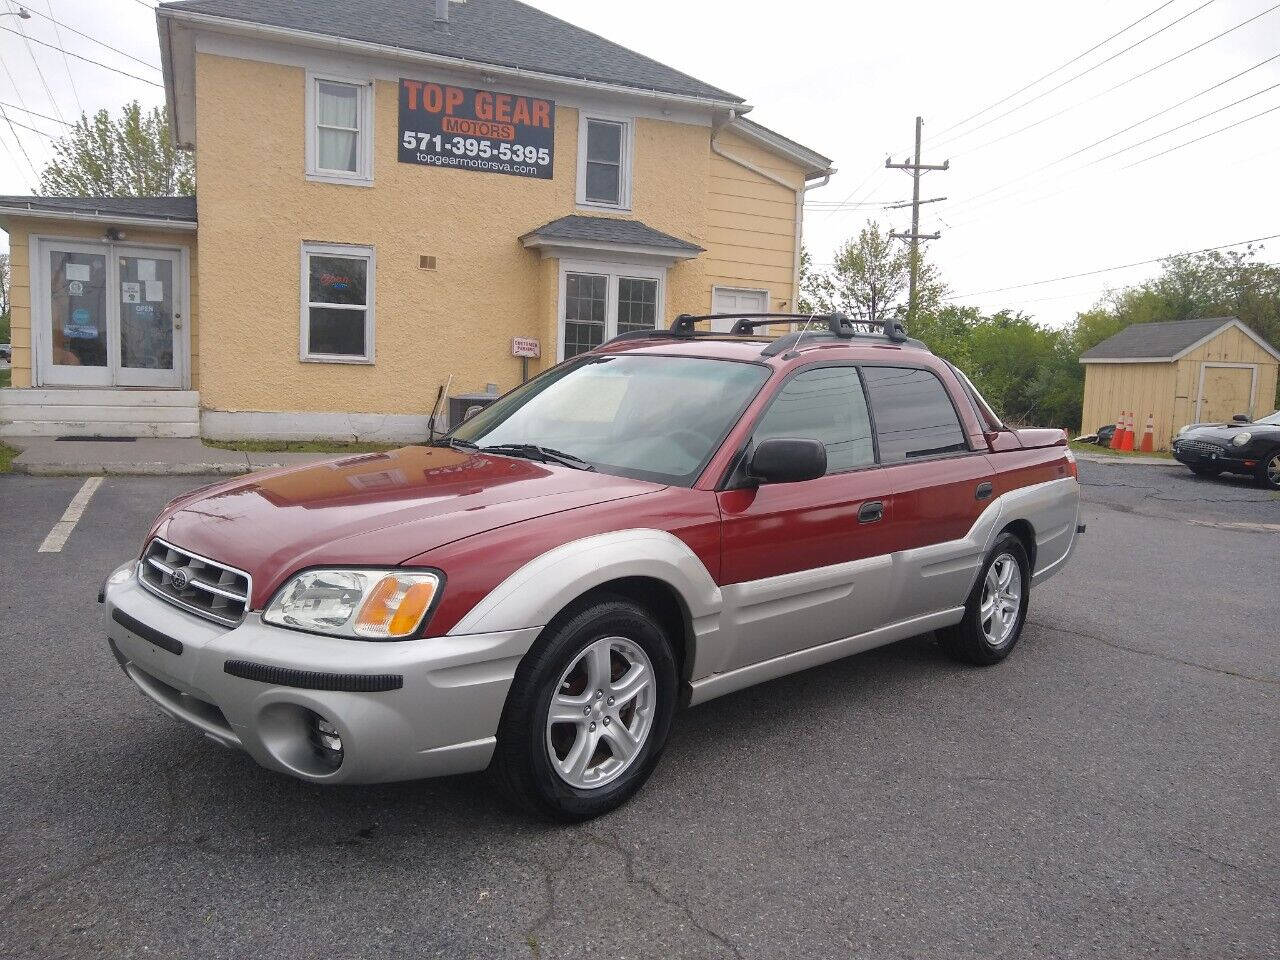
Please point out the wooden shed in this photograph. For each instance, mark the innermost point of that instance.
(1182, 372)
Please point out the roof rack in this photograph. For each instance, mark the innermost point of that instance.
(835, 325)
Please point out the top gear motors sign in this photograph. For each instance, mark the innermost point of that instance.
(446, 126)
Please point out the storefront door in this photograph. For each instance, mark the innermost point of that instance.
(109, 315)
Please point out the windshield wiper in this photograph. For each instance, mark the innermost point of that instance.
(534, 451)
(456, 443)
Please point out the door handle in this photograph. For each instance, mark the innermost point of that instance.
(871, 511)
(983, 491)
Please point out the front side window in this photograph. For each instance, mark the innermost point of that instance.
(337, 303)
(339, 138)
(827, 405)
(651, 418)
(603, 168)
(600, 304)
(913, 413)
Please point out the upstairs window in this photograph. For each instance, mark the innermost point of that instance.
(604, 163)
(340, 136)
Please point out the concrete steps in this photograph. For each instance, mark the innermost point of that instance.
(86, 412)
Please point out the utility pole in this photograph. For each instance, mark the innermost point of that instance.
(915, 236)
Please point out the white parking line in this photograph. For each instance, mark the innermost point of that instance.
(57, 537)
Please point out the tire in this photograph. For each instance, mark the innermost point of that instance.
(1269, 471)
(1200, 471)
(533, 760)
(970, 641)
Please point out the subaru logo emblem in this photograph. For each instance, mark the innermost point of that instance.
(179, 579)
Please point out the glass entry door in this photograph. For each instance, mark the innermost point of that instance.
(111, 316)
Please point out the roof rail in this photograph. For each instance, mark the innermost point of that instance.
(835, 325)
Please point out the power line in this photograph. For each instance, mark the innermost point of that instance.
(59, 23)
(1206, 136)
(1056, 69)
(96, 63)
(1116, 86)
(33, 113)
(18, 140)
(40, 73)
(1074, 77)
(66, 61)
(15, 123)
(1123, 266)
(968, 200)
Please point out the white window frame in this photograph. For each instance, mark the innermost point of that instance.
(613, 271)
(309, 250)
(626, 151)
(363, 175)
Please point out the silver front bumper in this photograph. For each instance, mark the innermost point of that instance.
(441, 720)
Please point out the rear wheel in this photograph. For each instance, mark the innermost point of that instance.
(1201, 471)
(588, 713)
(1269, 471)
(996, 608)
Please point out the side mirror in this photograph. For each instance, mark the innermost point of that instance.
(787, 460)
(1240, 418)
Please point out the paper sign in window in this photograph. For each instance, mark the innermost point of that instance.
(154, 288)
(146, 270)
(78, 271)
(130, 293)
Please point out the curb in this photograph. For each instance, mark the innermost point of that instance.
(134, 469)
(1127, 461)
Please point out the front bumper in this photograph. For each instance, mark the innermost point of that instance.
(404, 710)
(1211, 455)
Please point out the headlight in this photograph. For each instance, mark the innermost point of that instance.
(364, 604)
(1183, 429)
(1240, 439)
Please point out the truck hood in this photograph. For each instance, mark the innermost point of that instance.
(377, 509)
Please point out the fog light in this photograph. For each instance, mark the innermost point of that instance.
(326, 740)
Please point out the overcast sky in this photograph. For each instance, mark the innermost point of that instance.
(848, 78)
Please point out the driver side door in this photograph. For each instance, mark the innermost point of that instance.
(808, 563)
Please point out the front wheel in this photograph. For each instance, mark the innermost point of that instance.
(1269, 471)
(588, 713)
(996, 608)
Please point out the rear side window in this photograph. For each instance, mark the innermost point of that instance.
(914, 414)
(827, 405)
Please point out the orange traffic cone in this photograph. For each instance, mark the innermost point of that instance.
(1118, 435)
(1126, 444)
(1149, 435)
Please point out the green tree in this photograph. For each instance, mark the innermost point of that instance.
(131, 156)
(4, 298)
(869, 279)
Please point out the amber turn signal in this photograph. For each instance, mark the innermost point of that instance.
(394, 608)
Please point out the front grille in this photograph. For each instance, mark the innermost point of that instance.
(1199, 446)
(203, 586)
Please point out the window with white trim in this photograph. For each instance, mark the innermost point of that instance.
(600, 301)
(337, 303)
(604, 162)
(339, 130)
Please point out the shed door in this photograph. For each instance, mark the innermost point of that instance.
(1224, 392)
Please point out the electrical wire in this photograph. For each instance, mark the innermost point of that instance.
(1123, 266)
(1075, 77)
(39, 72)
(15, 123)
(66, 61)
(18, 140)
(1079, 56)
(96, 63)
(59, 23)
(33, 113)
(1205, 137)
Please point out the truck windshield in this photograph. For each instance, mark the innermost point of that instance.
(648, 417)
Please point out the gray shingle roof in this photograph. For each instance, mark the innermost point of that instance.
(151, 208)
(1164, 340)
(580, 229)
(501, 32)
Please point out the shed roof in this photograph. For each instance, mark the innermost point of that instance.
(1148, 342)
(501, 32)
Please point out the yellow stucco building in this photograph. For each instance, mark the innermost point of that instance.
(403, 196)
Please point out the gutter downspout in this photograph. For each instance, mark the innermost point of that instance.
(773, 178)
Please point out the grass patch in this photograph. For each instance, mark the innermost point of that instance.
(301, 446)
(7, 453)
(1108, 452)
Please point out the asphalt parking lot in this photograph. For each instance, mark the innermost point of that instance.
(1108, 791)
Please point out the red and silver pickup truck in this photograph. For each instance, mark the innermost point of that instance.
(675, 515)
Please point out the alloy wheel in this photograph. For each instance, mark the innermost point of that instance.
(1001, 600)
(1273, 470)
(601, 713)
